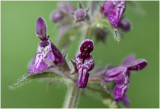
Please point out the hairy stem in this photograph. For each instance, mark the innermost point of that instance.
(72, 96)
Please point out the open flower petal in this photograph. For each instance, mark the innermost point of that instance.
(41, 28)
(137, 65)
(107, 6)
(129, 60)
(113, 72)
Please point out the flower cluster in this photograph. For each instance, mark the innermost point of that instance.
(93, 24)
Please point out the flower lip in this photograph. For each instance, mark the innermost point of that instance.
(82, 80)
(119, 91)
(41, 29)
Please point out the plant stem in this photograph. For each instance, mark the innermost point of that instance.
(72, 96)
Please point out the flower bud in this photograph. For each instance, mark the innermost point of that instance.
(57, 16)
(125, 25)
(80, 14)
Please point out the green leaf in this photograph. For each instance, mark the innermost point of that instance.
(28, 78)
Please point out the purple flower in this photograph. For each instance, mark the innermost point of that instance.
(121, 74)
(46, 51)
(84, 63)
(114, 11)
(80, 14)
(57, 16)
(125, 25)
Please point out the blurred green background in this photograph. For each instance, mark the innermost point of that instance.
(19, 46)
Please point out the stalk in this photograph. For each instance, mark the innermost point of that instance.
(72, 96)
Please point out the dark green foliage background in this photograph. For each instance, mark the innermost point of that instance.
(19, 46)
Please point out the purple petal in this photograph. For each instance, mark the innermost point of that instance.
(120, 75)
(129, 60)
(41, 29)
(57, 54)
(107, 6)
(137, 65)
(115, 71)
(43, 53)
(82, 78)
(119, 91)
(116, 14)
(86, 48)
(88, 63)
(49, 56)
(125, 100)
